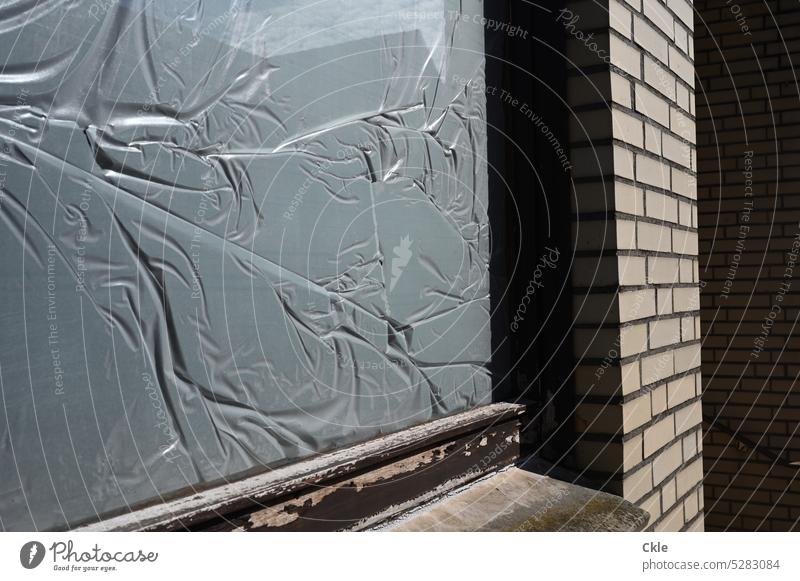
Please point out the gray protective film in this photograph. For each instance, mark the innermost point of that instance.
(233, 235)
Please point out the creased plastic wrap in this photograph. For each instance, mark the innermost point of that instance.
(233, 235)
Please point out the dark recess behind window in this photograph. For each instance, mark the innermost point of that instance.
(532, 365)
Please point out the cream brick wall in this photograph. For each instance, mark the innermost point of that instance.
(638, 380)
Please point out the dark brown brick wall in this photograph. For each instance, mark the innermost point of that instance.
(748, 137)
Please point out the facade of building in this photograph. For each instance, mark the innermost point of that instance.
(350, 273)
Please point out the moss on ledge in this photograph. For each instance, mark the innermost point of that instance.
(517, 500)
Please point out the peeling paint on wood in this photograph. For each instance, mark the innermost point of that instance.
(229, 506)
(364, 499)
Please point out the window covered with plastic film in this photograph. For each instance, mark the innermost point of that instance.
(233, 235)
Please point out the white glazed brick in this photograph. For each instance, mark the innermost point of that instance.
(664, 301)
(684, 242)
(660, 78)
(685, 213)
(652, 105)
(662, 270)
(653, 237)
(658, 399)
(682, 125)
(625, 57)
(652, 138)
(635, 413)
(682, 96)
(689, 477)
(626, 235)
(658, 435)
(665, 332)
(619, 18)
(657, 367)
(638, 484)
(623, 162)
(682, 66)
(680, 390)
(632, 270)
(637, 304)
(684, 184)
(687, 358)
(652, 504)
(668, 494)
(666, 462)
(621, 90)
(678, 151)
(652, 172)
(684, 11)
(627, 128)
(661, 207)
(672, 522)
(658, 14)
(628, 199)
(650, 39)
(681, 38)
(687, 299)
(687, 329)
(686, 270)
(688, 417)
(632, 339)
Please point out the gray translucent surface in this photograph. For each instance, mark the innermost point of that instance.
(231, 238)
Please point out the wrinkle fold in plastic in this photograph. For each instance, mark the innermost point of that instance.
(233, 235)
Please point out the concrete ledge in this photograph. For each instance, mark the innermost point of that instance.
(517, 500)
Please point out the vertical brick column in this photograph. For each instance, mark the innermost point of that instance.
(636, 305)
(749, 190)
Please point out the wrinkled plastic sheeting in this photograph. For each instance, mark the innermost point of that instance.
(233, 235)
